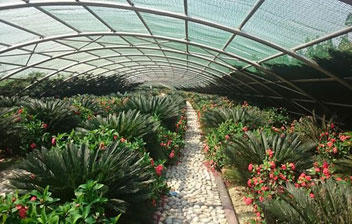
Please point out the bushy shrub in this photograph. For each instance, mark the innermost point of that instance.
(36, 207)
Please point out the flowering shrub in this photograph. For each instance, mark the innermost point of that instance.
(36, 207)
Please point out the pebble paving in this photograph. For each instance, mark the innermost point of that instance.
(194, 197)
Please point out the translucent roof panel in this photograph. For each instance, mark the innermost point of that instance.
(258, 41)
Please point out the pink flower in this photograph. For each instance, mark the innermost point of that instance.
(245, 129)
(326, 172)
(311, 195)
(152, 162)
(248, 201)
(334, 150)
(44, 126)
(270, 153)
(317, 169)
(332, 125)
(261, 198)
(227, 137)
(308, 178)
(329, 144)
(292, 165)
(32, 176)
(325, 165)
(249, 183)
(206, 148)
(172, 154)
(272, 164)
(33, 198)
(159, 169)
(115, 137)
(122, 140)
(53, 141)
(250, 167)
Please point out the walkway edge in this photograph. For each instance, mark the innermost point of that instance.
(225, 200)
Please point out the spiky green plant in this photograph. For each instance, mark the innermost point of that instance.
(129, 124)
(11, 101)
(344, 166)
(87, 102)
(251, 117)
(10, 130)
(166, 109)
(243, 151)
(58, 115)
(123, 171)
(332, 203)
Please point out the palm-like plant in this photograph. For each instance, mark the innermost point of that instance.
(241, 152)
(123, 171)
(166, 109)
(129, 124)
(10, 101)
(332, 203)
(58, 115)
(247, 116)
(10, 130)
(344, 166)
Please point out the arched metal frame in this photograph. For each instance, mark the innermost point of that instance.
(93, 37)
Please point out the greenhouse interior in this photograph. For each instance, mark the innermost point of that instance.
(176, 111)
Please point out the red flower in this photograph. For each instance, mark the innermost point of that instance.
(250, 167)
(272, 164)
(317, 169)
(20, 111)
(308, 178)
(159, 169)
(311, 195)
(258, 214)
(248, 201)
(245, 129)
(122, 140)
(33, 198)
(206, 148)
(329, 144)
(115, 137)
(227, 137)
(33, 146)
(152, 162)
(261, 199)
(325, 165)
(22, 211)
(44, 126)
(271, 175)
(102, 146)
(292, 165)
(338, 178)
(270, 153)
(172, 154)
(32, 176)
(344, 138)
(53, 141)
(249, 183)
(326, 172)
(283, 166)
(332, 125)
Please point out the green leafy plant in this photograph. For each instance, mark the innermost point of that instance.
(253, 149)
(57, 116)
(37, 207)
(125, 172)
(166, 109)
(328, 202)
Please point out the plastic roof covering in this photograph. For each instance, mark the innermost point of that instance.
(182, 43)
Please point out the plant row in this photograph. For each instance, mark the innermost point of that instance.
(89, 159)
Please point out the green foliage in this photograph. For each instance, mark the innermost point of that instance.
(56, 114)
(10, 130)
(332, 203)
(248, 116)
(166, 109)
(252, 149)
(344, 166)
(125, 172)
(129, 124)
(36, 207)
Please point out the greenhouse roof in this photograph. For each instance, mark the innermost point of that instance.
(182, 43)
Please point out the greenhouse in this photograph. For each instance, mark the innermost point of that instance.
(176, 111)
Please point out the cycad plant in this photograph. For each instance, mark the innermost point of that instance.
(328, 202)
(57, 115)
(125, 172)
(250, 117)
(253, 149)
(11, 101)
(10, 130)
(167, 109)
(344, 166)
(129, 124)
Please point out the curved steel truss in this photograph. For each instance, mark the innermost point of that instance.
(180, 42)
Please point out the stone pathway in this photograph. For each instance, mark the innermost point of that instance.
(195, 198)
